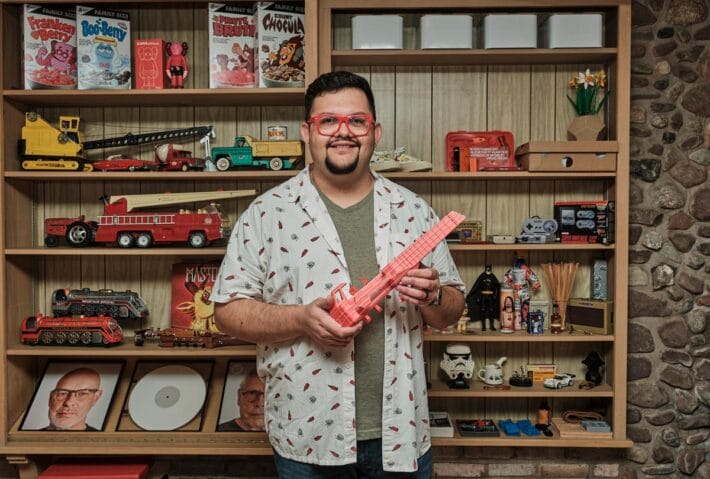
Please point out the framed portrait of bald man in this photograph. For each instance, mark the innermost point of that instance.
(242, 400)
(73, 396)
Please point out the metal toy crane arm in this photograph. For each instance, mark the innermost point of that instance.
(142, 138)
(352, 310)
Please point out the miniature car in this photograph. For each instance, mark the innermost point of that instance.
(559, 381)
(123, 163)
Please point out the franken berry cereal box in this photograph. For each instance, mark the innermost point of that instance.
(280, 44)
(49, 42)
(232, 33)
(103, 48)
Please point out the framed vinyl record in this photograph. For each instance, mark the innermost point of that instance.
(166, 396)
(242, 399)
(73, 396)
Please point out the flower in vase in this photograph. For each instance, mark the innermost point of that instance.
(588, 86)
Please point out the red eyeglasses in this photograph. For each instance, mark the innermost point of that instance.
(328, 124)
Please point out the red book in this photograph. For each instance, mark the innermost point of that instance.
(191, 288)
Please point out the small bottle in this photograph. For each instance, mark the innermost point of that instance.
(556, 320)
(544, 413)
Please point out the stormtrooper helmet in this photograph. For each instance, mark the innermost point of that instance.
(457, 361)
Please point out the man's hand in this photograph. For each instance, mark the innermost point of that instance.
(317, 323)
(419, 286)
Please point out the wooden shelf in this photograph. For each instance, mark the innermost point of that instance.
(512, 56)
(517, 337)
(187, 97)
(530, 247)
(254, 175)
(525, 441)
(115, 251)
(440, 390)
(129, 350)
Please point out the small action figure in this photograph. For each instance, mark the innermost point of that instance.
(594, 364)
(524, 281)
(176, 68)
(482, 300)
(458, 365)
(507, 313)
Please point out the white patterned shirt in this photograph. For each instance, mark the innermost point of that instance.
(285, 250)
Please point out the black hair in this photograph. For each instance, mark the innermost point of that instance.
(335, 81)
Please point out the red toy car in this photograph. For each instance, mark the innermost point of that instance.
(124, 163)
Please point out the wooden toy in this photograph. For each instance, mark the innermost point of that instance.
(349, 311)
(119, 224)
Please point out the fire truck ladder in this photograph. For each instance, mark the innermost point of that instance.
(130, 139)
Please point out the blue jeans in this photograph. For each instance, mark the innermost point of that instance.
(368, 466)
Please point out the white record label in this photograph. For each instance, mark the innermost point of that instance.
(167, 398)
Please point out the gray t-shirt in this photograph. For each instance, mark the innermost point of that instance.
(355, 226)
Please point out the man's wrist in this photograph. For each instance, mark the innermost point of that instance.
(437, 297)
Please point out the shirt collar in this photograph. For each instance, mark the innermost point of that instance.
(305, 193)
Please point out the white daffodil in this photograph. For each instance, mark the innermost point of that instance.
(586, 79)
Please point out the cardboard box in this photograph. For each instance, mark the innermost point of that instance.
(232, 40)
(446, 31)
(540, 372)
(572, 30)
(280, 43)
(103, 48)
(581, 156)
(150, 64)
(377, 31)
(440, 424)
(480, 151)
(585, 221)
(49, 47)
(510, 31)
(591, 316)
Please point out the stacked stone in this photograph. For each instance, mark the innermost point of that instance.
(669, 271)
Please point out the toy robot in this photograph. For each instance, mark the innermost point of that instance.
(176, 68)
(458, 365)
(482, 300)
(524, 282)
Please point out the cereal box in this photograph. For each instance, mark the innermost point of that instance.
(103, 48)
(232, 36)
(280, 43)
(150, 64)
(49, 41)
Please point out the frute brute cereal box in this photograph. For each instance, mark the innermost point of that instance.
(232, 33)
(103, 48)
(280, 43)
(49, 39)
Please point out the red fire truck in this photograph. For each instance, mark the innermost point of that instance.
(85, 330)
(120, 225)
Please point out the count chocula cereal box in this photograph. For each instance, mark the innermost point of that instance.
(49, 44)
(280, 44)
(103, 48)
(232, 36)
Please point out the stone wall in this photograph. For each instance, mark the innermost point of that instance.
(669, 276)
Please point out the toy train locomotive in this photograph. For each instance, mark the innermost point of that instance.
(104, 302)
(84, 330)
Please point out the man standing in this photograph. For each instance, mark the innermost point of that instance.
(72, 399)
(339, 400)
(250, 401)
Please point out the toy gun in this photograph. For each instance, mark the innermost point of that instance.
(349, 311)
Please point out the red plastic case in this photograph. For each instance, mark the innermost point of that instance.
(480, 151)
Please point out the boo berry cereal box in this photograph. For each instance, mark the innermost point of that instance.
(103, 48)
(232, 33)
(49, 42)
(280, 43)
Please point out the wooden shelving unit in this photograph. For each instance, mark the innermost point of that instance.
(421, 95)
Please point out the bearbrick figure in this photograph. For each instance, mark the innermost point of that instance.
(62, 57)
(177, 64)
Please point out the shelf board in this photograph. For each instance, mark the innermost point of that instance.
(517, 337)
(115, 251)
(507, 56)
(189, 97)
(440, 390)
(525, 441)
(530, 247)
(129, 350)
(259, 175)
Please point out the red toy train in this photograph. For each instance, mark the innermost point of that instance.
(84, 330)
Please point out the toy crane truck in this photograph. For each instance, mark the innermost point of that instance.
(44, 147)
(250, 153)
(121, 225)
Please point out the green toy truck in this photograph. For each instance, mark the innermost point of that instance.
(250, 153)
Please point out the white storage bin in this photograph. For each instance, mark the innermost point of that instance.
(572, 30)
(446, 31)
(510, 31)
(377, 31)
